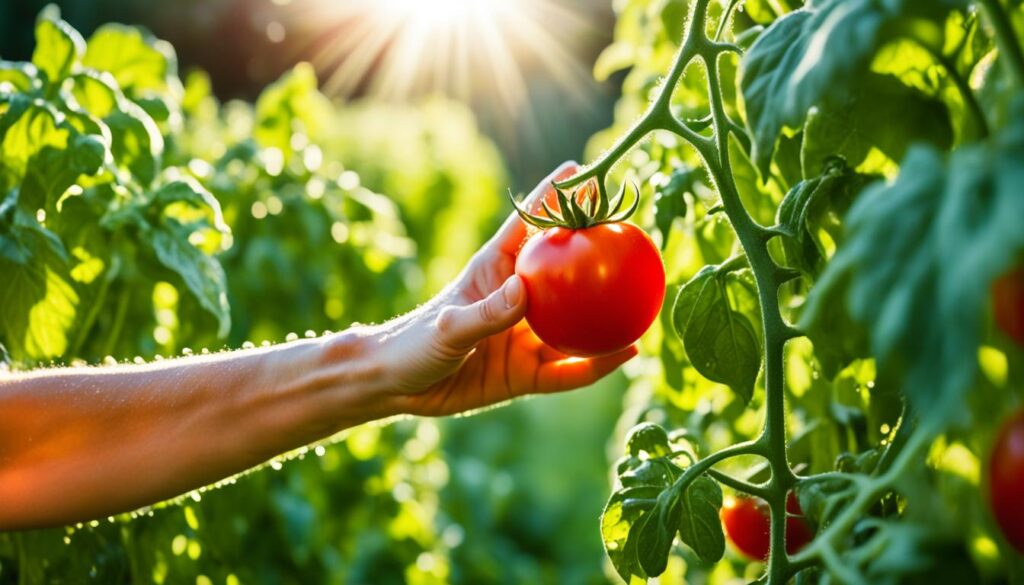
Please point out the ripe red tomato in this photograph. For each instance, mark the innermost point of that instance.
(747, 523)
(591, 291)
(1006, 480)
(1008, 303)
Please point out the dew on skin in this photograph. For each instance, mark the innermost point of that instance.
(248, 345)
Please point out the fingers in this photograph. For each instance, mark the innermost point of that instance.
(511, 234)
(573, 373)
(462, 327)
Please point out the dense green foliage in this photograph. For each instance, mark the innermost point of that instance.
(837, 186)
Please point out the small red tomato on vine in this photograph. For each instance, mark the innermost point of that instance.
(594, 283)
(747, 523)
(1008, 303)
(1006, 480)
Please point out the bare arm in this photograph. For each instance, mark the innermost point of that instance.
(83, 443)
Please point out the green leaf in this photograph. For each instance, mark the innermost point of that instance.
(187, 190)
(51, 171)
(26, 129)
(649, 438)
(202, 274)
(20, 76)
(37, 301)
(657, 530)
(720, 342)
(137, 142)
(669, 200)
(700, 527)
(58, 47)
(880, 113)
(812, 209)
(920, 257)
(137, 61)
(96, 92)
(617, 529)
(811, 55)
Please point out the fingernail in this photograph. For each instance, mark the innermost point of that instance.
(512, 291)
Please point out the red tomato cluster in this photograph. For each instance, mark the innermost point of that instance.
(747, 523)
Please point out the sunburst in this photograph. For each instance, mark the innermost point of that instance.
(466, 49)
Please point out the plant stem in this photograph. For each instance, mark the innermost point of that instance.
(962, 86)
(738, 484)
(1006, 38)
(119, 315)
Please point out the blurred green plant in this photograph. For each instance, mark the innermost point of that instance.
(141, 219)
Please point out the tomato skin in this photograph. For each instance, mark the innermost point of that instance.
(747, 523)
(1008, 303)
(1006, 480)
(591, 291)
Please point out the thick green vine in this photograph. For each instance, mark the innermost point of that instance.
(851, 494)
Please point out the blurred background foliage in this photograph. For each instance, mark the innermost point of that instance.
(341, 208)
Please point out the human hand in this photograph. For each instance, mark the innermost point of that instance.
(469, 347)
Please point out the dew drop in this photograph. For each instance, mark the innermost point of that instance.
(265, 343)
(276, 465)
(310, 334)
(291, 337)
(186, 351)
(138, 360)
(319, 450)
(204, 351)
(109, 361)
(248, 345)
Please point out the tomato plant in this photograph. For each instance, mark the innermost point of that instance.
(594, 282)
(1008, 304)
(832, 212)
(1006, 480)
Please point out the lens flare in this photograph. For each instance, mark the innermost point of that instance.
(466, 49)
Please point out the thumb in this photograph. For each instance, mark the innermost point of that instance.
(462, 327)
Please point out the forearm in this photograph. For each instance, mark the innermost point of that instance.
(81, 443)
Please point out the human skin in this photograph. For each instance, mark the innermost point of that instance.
(84, 443)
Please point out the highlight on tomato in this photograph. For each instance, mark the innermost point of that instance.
(594, 282)
(1006, 480)
(747, 523)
